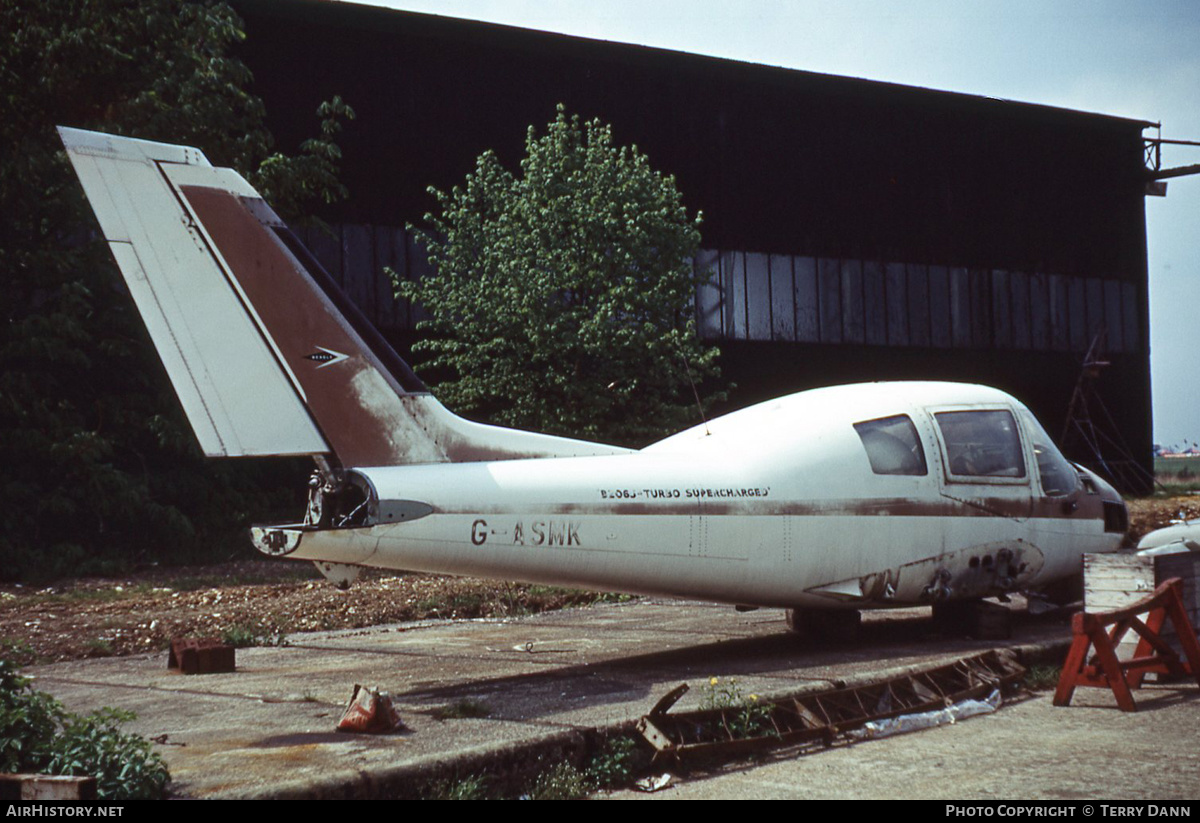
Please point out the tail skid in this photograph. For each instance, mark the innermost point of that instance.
(266, 354)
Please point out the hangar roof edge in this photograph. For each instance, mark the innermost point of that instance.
(377, 17)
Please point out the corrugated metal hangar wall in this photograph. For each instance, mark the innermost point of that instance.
(858, 230)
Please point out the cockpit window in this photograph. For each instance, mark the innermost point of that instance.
(892, 445)
(982, 443)
(1058, 475)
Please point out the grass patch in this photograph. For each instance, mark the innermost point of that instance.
(1042, 678)
(617, 763)
(18, 652)
(564, 598)
(471, 787)
(470, 604)
(1177, 475)
(1174, 487)
(511, 600)
(245, 635)
(561, 782)
(742, 715)
(534, 599)
(191, 583)
(95, 595)
(99, 647)
(614, 597)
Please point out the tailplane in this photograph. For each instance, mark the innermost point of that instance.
(267, 355)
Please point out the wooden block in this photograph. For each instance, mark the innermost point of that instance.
(46, 787)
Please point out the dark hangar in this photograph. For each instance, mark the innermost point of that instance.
(858, 230)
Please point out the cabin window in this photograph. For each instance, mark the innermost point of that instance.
(892, 445)
(982, 443)
(1058, 475)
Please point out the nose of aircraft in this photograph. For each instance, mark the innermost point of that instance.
(1116, 515)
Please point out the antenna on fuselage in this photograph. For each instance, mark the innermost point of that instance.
(696, 394)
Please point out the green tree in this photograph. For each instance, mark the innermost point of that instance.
(562, 298)
(98, 464)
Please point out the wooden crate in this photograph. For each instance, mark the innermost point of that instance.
(1114, 581)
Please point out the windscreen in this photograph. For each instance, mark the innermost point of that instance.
(982, 443)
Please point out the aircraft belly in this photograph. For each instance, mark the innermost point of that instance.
(757, 560)
(1065, 541)
(830, 561)
(916, 560)
(651, 554)
(673, 555)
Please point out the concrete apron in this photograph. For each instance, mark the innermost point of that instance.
(267, 730)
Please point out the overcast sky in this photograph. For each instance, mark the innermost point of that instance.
(1131, 59)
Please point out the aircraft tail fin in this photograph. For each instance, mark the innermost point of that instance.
(267, 355)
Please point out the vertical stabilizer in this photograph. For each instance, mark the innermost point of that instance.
(266, 353)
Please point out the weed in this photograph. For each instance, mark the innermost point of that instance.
(191, 583)
(28, 722)
(123, 764)
(18, 652)
(615, 764)
(240, 636)
(561, 782)
(542, 596)
(742, 715)
(1042, 678)
(614, 597)
(462, 709)
(99, 647)
(243, 635)
(38, 735)
(469, 604)
(471, 787)
(108, 594)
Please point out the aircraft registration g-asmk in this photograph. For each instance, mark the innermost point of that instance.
(823, 502)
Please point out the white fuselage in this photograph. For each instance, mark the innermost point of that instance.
(776, 505)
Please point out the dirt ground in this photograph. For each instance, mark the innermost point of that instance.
(259, 602)
(1149, 513)
(249, 603)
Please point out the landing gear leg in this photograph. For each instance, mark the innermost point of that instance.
(825, 627)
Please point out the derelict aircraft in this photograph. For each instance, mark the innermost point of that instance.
(823, 502)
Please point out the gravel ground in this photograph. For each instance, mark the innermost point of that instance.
(250, 603)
